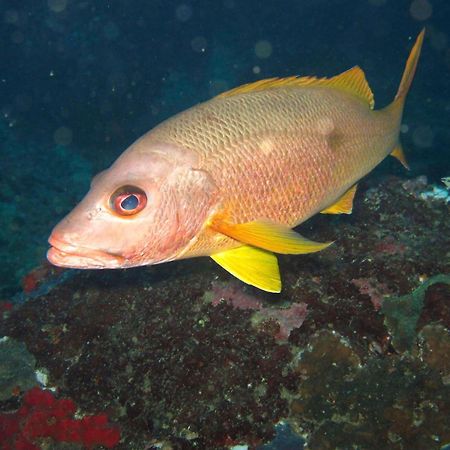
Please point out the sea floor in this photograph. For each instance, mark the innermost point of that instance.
(354, 353)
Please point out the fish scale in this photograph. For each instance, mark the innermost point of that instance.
(250, 175)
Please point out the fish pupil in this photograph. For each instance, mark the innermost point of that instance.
(129, 203)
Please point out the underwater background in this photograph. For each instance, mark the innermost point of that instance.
(355, 351)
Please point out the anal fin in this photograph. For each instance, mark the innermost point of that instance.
(400, 155)
(344, 205)
(251, 265)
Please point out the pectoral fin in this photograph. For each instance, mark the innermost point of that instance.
(268, 236)
(251, 265)
(344, 205)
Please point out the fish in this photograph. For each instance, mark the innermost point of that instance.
(230, 178)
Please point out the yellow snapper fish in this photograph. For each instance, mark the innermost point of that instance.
(229, 178)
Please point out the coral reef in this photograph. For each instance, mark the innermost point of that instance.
(436, 348)
(16, 368)
(233, 294)
(283, 319)
(402, 313)
(42, 416)
(352, 352)
(397, 402)
(286, 319)
(285, 439)
(164, 364)
(375, 290)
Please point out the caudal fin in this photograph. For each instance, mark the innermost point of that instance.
(395, 109)
(409, 72)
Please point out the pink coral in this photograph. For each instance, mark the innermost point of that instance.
(233, 294)
(287, 318)
(390, 246)
(42, 415)
(375, 290)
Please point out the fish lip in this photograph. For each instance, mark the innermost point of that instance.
(65, 254)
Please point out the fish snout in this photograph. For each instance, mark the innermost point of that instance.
(63, 253)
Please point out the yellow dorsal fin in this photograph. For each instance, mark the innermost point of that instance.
(352, 81)
(268, 236)
(251, 265)
(400, 155)
(344, 205)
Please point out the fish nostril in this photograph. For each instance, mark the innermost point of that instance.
(93, 213)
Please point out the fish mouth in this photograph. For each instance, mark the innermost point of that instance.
(65, 254)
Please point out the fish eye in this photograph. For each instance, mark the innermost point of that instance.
(128, 200)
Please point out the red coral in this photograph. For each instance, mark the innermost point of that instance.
(29, 282)
(39, 275)
(43, 416)
(5, 308)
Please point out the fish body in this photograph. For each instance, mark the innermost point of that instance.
(229, 178)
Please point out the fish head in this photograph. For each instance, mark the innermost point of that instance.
(145, 209)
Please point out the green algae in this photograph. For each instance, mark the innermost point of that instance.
(402, 313)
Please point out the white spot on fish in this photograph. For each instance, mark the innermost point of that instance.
(267, 146)
(325, 126)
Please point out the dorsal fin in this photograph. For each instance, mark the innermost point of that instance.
(352, 81)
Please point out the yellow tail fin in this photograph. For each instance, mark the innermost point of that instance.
(395, 109)
(408, 74)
